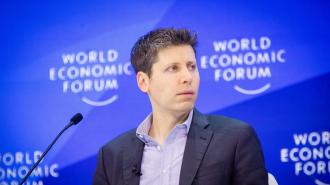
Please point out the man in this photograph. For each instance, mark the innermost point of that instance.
(176, 144)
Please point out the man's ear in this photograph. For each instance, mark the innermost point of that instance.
(142, 80)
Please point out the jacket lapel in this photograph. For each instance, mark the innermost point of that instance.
(132, 158)
(198, 139)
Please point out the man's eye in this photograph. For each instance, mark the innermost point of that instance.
(192, 66)
(172, 68)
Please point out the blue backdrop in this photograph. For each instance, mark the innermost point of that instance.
(265, 62)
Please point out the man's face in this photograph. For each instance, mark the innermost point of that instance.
(174, 80)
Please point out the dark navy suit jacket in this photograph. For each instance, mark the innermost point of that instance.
(219, 151)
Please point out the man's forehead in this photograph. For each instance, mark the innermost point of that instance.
(176, 54)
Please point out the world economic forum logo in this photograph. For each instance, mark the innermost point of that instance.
(242, 61)
(15, 165)
(309, 155)
(89, 73)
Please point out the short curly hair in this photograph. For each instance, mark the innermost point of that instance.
(145, 50)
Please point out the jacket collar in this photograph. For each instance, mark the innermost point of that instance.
(132, 159)
(198, 139)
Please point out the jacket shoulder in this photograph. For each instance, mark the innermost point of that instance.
(227, 124)
(118, 142)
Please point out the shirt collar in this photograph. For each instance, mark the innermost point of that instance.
(144, 127)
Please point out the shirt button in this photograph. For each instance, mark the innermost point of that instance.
(158, 148)
(164, 171)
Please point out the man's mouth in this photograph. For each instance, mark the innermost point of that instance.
(187, 93)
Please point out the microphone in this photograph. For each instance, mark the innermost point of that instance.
(73, 121)
(76, 119)
(136, 171)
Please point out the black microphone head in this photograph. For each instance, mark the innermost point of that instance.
(76, 118)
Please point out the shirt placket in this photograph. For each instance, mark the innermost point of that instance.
(169, 154)
(162, 162)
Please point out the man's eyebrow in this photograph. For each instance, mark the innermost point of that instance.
(172, 63)
(192, 61)
(176, 63)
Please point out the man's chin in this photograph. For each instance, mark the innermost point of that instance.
(185, 107)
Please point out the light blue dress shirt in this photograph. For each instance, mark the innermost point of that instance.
(161, 164)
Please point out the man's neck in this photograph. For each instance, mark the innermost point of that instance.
(163, 123)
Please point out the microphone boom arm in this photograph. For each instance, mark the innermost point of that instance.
(72, 122)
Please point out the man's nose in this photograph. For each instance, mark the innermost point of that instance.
(186, 76)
